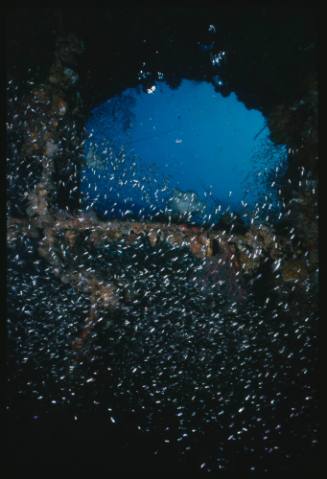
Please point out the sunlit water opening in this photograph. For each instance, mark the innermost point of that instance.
(186, 153)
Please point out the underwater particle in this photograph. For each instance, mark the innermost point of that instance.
(217, 81)
(217, 58)
(151, 89)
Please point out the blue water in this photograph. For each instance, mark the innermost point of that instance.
(146, 147)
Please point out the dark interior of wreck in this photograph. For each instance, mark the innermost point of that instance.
(272, 67)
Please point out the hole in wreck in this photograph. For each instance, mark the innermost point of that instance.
(185, 154)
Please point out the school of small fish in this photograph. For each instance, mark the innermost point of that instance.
(185, 355)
